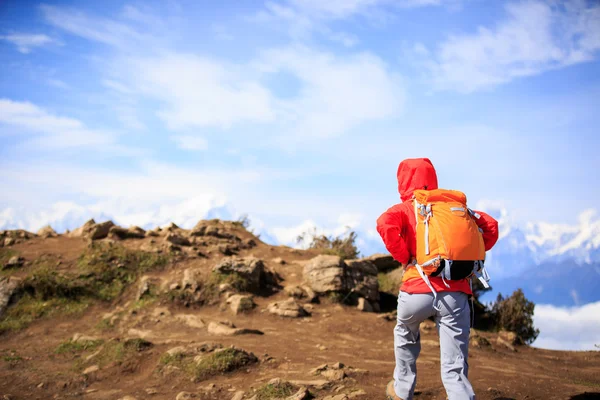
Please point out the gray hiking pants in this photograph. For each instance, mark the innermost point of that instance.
(453, 324)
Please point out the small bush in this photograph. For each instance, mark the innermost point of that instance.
(109, 269)
(243, 221)
(343, 246)
(215, 363)
(29, 308)
(515, 314)
(77, 347)
(222, 361)
(387, 283)
(6, 254)
(117, 351)
(277, 390)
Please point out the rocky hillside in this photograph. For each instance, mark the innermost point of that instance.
(105, 312)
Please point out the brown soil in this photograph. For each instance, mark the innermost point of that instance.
(289, 348)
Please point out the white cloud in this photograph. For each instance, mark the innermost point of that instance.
(336, 93)
(105, 31)
(342, 9)
(568, 328)
(26, 42)
(534, 37)
(58, 83)
(69, 215)
(48, 131)
(201, 92)
(188, 142)
(117, 86)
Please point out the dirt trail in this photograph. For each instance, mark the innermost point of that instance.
(289, 349)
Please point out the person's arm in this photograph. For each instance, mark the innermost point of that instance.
(390, 227)
(489, 227)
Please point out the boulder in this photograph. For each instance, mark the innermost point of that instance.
(240, 303)
(288, 308)
(14, 262)
(250, 269)
(9, 241)
(93, 231)
(500, 341)
(325, 274)
(116, 232)
(153, 232)
(302, 293)
(81, 338)
(190, 280)
(508, 336)
(148, 286)
(361, 277)
(184, 396)
(190, 320)
(383, 262)
(91, 370)
(8, 287)
(229, 329)
(364, 305)
(177, 239)
(47, 232)
(78, 232)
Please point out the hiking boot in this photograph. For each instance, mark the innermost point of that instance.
(390, 392)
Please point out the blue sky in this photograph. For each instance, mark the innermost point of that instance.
(295, 112)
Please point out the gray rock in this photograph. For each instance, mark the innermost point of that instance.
(361, 277)
(91, 370)
(288, 308)
(240, 303)
(251, 269)
(116, 232)
(325, 274)
(14, 262)
(47, 232)
(302, 293)
(301, 394)
(93, 231)
(364, 305)
(191, 320)
(228, 329)
(190, 280)
(184, 396)
(99, 231)
(8, 287)
(177, 239)
(239, 395)
(383, 262)
(148, 285)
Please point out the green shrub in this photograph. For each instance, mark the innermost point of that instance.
(77, 347)
(515, 314)
(218, 362)
(277, 390)
(387, 283)
(105, 271)
(29, 308)
(343, 246)
(108, 269)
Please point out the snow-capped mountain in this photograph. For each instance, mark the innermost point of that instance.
(533, 243)
(521, 245)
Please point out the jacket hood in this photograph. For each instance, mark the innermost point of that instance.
(414, 174)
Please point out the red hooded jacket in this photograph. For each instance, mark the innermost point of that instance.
(397, 226)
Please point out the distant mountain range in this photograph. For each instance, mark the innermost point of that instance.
(555, 264)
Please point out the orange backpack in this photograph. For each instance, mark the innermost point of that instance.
(449, 242)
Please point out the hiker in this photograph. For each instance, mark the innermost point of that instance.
(434, 285)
